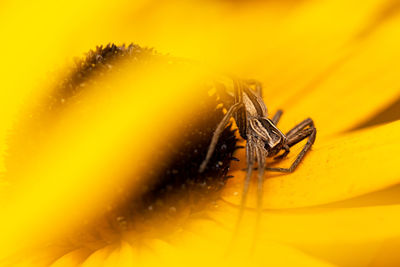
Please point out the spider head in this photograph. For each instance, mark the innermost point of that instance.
(274, 138)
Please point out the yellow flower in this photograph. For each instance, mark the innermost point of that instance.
(334, 61)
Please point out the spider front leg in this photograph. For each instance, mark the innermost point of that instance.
(275, 119)
(238, 100)
(220, 128)
(294, 136)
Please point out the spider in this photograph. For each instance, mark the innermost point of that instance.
(263, 138)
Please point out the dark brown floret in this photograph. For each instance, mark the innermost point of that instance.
(176, 186)
(98, 63)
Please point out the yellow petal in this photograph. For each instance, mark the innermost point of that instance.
(73, 258)
(98, 257)
(338, 169)
(346, 236)
(362, 86)
(303, 50)
(196, 244)
(53, 185)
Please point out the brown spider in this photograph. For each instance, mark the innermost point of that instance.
(263, 138)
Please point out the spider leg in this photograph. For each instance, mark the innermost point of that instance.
(289, 134)
(257, 85)
(287, 150)
(261, 155)
(300, 126)
(294, 136)
(250, 158)
(275, 119)
(220, 128)
(226, 99)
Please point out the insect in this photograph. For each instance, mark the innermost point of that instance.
(263, 137)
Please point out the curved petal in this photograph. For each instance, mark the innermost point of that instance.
(99, 257)
(346, 237)
(338, 169)
(73, 258)
(198, 244)
(362, 86)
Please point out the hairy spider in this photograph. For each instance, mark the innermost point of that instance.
(263, 138)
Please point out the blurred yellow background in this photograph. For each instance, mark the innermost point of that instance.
(335, 61)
